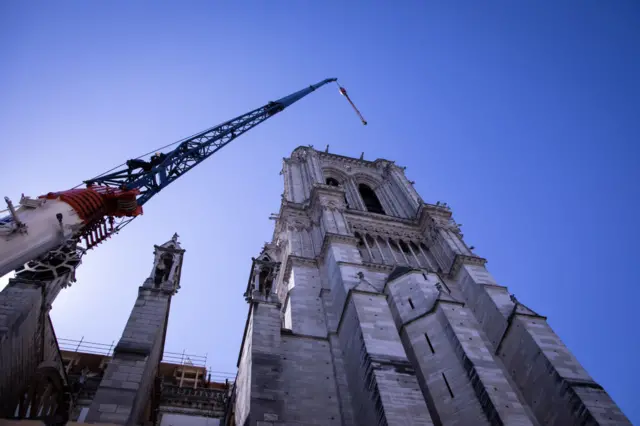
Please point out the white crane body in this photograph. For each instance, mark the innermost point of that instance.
(41, 226)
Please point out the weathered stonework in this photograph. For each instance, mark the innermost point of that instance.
(123, 396)
(368, 308)
(29, 349)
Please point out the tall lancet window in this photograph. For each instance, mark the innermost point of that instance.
(370, 199)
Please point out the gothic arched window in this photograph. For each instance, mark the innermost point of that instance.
(370, 199)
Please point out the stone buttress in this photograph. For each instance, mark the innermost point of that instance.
(124, 394)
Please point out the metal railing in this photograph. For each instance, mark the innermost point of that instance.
(179, 358)
(84, 346)
(183, 358)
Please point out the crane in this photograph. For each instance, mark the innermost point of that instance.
(43, 237)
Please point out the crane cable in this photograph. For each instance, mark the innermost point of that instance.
(343, 92)
(146, 154)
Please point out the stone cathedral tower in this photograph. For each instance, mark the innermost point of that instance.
(368, 308)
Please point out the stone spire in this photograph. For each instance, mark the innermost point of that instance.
(124, 392)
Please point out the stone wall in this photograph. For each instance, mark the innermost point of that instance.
(20, 313)
(307, 382)
(393, 320)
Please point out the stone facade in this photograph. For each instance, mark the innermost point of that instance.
(368, 308)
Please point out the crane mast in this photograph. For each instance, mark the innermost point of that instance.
(41, 239)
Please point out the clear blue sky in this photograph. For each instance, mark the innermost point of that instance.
(522, 115)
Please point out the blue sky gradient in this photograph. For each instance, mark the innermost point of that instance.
(523, 116)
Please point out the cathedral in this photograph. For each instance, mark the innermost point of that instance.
(368, 308)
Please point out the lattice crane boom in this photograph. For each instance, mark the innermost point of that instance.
(192, 151)
(41, 238)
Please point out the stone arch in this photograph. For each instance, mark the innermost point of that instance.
(339, 175)
(163, 268)
(45, 398)
(264, 273)
(265, 257)
(370, 198)
(368, 179)
(332, 181)
(374, 183)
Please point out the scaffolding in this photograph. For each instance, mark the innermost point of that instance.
(183, 360)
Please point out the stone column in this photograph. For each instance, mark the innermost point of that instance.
(258, 395)
(125, 390)
(24, 305)
(20, 318)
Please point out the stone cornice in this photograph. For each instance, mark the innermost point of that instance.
(414, 228)
(163, 290)
(368, 266)
(330, 237)
(169, 249)
(318, 188)
(348, 299)
(380, 217)
(350, 160)
(430, 311)
(437, 210)
(213, 410)
(301, 152)
(290, 333)
(292, 261)
(377, 266)
(391, 228)
(296, 214)
(411, 270)
(462, 259)
(302, 214)
(333, 198)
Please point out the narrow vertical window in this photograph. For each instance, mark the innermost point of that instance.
(362, 248)
(446, 382)
(411, 304)
(404, 247)
(371, 201)
(429, 342)
(375, 254)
